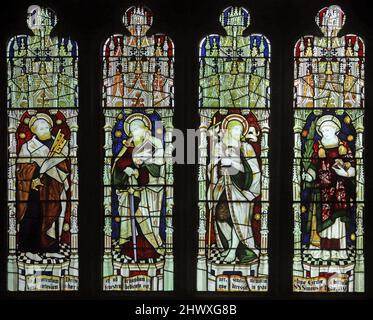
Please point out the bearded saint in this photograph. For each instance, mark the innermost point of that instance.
(138, 171)
(42, 183)
(234, 175)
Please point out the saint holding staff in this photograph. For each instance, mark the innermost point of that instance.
(138, 176)
(234, 175)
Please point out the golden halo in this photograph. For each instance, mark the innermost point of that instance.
(136, 116)
(328, 118)
(236, 117)
(40, 116)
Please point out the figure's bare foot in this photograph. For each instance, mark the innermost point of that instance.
(34, 256)
(325, 255)
(343, 254)
(54, 255)
(231, 256)
(224, 253)
(339, 255)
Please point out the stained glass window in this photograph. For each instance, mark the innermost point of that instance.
(328, 177)
(42, 173)
(138, 99)
(233, 174)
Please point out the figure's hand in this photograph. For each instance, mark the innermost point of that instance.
(128, 142)
(232, 152)
(138, 162)
(226, 162)
(136, 173)
(340, 171)
(306, 176)
(129, 171)
(35, 183)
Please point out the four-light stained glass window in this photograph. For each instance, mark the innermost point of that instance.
(42, 161)
(328, 176)
(233, 177)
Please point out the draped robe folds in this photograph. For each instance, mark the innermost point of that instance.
(240, 190)
(40, 213)
(148, 194)
(330, 211)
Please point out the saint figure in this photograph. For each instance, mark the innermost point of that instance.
(331, 174)
(138, 175)
(42, 183)
(234, 175)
